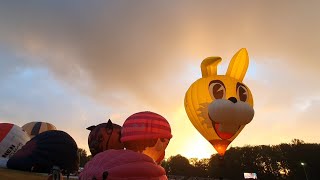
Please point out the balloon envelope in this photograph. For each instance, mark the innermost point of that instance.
(35, 128)
(12, 138)
(146, 132)
(122, 164)
(103, 137)
(219, 106)
(3, 162)
(44, 151)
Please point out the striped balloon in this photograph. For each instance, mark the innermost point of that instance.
(145, 125)
(146, 132)
(35, 128)
(12, 138)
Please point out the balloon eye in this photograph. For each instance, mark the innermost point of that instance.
(242, 92)
(217, 89)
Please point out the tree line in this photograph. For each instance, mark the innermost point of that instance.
(281, 161)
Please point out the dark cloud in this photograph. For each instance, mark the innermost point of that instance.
(141, 48)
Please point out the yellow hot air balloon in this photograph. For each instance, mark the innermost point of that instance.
(219, 106)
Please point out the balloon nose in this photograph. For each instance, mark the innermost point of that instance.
(232, 99)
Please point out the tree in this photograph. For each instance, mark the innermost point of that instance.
(281, 161)
(297, 141)
(165, 165)
(179, 165)
(83, 157)
(201, 167)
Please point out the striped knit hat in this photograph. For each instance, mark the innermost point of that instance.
(145, 125)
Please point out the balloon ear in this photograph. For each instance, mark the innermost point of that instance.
(109, 125)
(91, 128)
(209, 66)
(238, 65)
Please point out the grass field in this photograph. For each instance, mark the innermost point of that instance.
(9, 174)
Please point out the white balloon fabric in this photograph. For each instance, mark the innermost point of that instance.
(3, 162)
(230, 115)
(12, 138)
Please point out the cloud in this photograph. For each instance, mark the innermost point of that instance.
(34, 95)
(140, 48)
(134, 56)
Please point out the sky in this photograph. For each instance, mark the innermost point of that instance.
(77, 64)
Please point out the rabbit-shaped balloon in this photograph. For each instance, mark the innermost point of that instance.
(219, 106)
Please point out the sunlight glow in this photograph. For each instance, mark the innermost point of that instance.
(187, 141)
(198, 148)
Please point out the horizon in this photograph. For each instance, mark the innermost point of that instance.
(79, 64)
(245, 145)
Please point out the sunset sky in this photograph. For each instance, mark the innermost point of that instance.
(79, 64)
